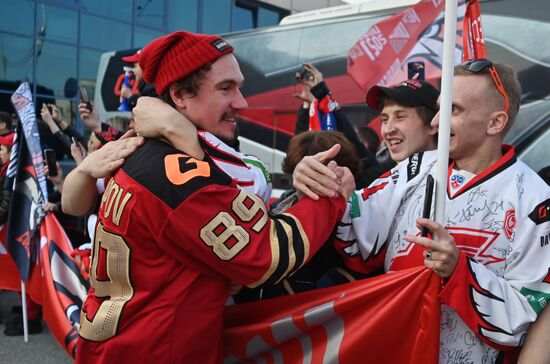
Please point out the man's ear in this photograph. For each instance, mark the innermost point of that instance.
(178, 96)
(498, 123)
(433, 129)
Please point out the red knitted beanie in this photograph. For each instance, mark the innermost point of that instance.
(176, 55)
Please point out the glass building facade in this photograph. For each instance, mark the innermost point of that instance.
(56, 44)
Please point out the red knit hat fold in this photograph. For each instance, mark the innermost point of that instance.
(176, 55)
(7, 139)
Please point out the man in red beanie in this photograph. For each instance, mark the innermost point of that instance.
(174, 231)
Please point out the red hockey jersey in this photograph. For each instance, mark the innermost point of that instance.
(173, 233)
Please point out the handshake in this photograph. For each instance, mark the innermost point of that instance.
(313, 178)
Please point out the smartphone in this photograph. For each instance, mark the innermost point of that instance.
(84, 97)
(427, 203)
(49, 155)
(74, 141)
(416, 68)
(305, 75)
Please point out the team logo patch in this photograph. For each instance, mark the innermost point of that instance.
(541, 212)
(510, 223)
(456, 181)
(221, 45)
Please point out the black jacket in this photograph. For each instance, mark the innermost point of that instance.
(371, 170)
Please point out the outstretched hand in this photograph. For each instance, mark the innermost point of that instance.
(316, 79)
(103, 162)
(442, 253)
(347, 180)
(46, 115)
(313, 179)
(89, 117)
(305, 95)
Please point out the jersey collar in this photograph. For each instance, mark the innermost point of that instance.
(508, 158)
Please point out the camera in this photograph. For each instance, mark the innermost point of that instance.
(305, 75)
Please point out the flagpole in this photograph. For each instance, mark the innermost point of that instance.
(24, 308)
(445, 106)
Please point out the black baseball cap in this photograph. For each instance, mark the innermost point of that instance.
(408, 93)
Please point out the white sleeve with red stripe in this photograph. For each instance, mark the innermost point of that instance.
(368, 221)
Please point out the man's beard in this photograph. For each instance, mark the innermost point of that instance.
(232, 142)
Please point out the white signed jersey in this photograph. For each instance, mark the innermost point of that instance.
(500, 220)
(248, 172)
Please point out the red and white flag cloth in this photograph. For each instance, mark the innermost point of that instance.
(381, 55)
(473, 43)
(392, 318)
(57, 284)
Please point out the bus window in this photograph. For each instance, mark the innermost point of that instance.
(332, 40)
(268, 52)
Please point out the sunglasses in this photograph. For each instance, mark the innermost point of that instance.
(478, 65)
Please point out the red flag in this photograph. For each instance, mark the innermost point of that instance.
(473, 43)
(392, 318)
(9, 275)
(381, 55)
(56, 284)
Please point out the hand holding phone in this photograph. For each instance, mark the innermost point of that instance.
(416, 71)
(49, 155)
(84, 97)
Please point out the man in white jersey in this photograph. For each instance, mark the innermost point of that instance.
(492, 253)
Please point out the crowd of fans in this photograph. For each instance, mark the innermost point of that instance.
(407, 111)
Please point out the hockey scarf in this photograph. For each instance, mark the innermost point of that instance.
(321, 115)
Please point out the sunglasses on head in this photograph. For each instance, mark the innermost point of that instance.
(478, 65)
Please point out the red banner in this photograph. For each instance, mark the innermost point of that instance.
(56, 284)
(473, 42)
(393, 318)
(381, 55)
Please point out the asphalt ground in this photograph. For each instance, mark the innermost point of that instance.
(41, 348)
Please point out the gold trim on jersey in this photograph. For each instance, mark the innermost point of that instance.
(291, 254)
(304, 237)
(276, 242)
(275, 256)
